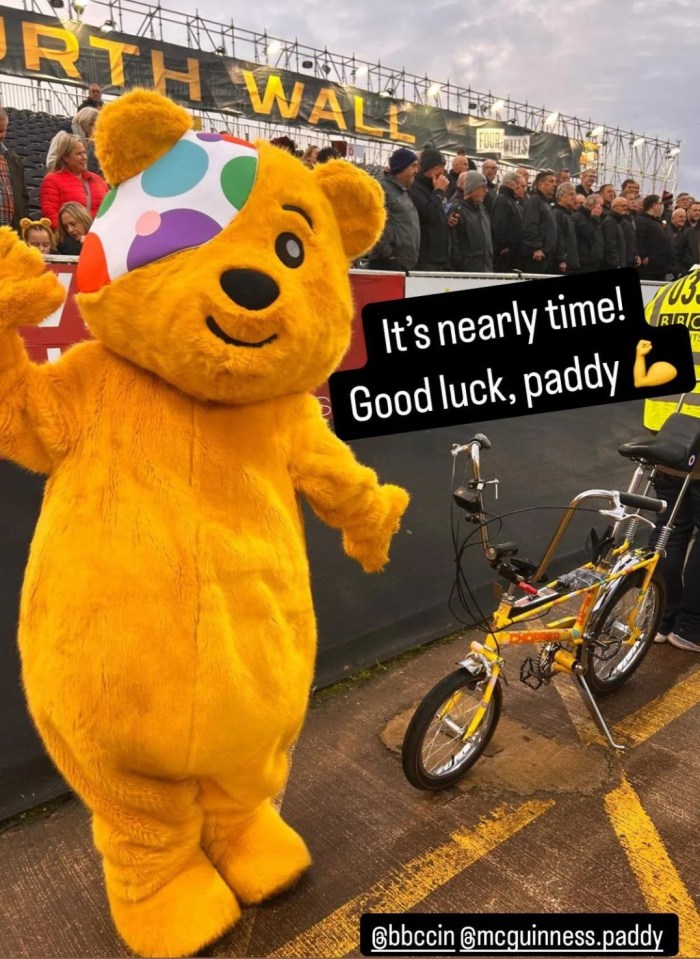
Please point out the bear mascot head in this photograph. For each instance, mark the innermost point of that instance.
(169, 677)
(261, 305)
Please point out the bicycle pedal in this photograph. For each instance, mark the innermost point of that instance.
(530, 674)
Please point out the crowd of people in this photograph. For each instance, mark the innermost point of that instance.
(71, 191)
(438, 219)
(73, 188)
(466, 220)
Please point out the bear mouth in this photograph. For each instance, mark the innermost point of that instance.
(217, 331)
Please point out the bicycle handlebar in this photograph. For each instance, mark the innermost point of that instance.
(643, 502)
(617, 499)
(480, 441)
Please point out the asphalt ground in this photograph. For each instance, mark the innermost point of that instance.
(549, 821)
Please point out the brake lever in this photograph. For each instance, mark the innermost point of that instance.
(620, 516)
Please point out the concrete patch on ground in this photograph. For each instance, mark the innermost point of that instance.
(522, 761)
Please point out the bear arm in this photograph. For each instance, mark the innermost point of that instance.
(342, 492)
(37, 410)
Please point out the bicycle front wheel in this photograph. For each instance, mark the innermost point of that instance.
(434, 754)
(608, 657)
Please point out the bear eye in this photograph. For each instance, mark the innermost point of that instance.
(290, 250)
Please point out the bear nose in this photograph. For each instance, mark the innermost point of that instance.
(249, 288)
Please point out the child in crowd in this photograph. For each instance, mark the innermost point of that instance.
(38, 233)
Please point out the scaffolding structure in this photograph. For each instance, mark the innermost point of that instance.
(652, 162)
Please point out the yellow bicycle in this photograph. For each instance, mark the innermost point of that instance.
(618, 595)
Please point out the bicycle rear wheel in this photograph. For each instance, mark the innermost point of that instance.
(434, 754)
(607, 658)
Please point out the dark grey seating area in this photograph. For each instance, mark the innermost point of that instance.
(30, 134)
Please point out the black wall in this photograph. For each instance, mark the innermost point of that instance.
(540, 461)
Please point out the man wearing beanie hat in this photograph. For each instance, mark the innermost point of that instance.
(399, 244)
(472, 247)
(428, 193)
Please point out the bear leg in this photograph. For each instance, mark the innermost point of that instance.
(166, 898)
(257, 853)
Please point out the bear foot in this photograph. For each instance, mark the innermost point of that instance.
(264, 859)
(191, 911)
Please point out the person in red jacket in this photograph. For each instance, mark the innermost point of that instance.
(70, 180)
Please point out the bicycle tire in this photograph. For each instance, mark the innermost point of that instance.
(606, 675)
(412, 750)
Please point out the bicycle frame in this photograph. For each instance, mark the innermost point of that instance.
(620, 562)
(488, 652)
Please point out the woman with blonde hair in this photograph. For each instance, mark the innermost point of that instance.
(82, 125)
(74, 221)
(69, 179)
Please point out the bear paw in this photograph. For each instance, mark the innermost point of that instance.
(369, 545)
(28, 291)
(263, 859)
(191, 911)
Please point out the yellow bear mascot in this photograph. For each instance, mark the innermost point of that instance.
(167, 633)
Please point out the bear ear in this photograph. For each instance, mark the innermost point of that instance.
(358, 203)
(135, 131)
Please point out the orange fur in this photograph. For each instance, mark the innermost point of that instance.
(167, 630)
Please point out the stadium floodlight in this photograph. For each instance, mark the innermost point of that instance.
(307, 64)
(108, 26)
(220, 51)
(78, 6)
(497, 105)
(552, 119)
(56, 4)
(596, 131)
(434, 89)
(639, 141)
(673, 152)
(273, 47)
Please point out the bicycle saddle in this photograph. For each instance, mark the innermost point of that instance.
(676, 445)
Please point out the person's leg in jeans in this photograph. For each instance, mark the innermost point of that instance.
(682, 602)
(686, 630)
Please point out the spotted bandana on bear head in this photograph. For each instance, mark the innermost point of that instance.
(183, 200)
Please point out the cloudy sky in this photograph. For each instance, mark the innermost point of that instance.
(633, 64)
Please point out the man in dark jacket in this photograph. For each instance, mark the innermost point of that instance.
(563, 214)
(14, 198)
(428, 193)
(629, 230)
(523, 172)
(490, 170)
(589, 235)
(540, 241)
(472, 248)
(653, 243)
(675, 229)
(607, 194)
(459, 165)
(507, 223)
(399, 244)
(585, 187)
(689, 241)
(614, 248)
(94, 97)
